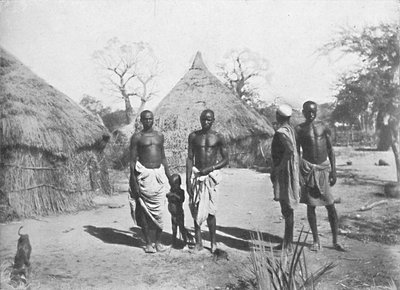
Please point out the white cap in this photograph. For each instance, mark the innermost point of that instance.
(284, 110)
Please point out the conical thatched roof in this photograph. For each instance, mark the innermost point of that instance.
(52, 151)
(36, 115)
(199, 90)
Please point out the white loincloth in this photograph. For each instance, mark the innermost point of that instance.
(153, 188)
(204, 201)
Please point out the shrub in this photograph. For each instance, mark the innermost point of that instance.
(284, 272)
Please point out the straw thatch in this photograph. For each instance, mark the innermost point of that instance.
(51, 149)
(245, 131)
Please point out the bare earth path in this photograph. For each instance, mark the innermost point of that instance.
(100, 249)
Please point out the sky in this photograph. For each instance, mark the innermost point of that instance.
(56, 39)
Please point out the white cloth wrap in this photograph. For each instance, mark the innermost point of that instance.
(153, 188)
(204, 188)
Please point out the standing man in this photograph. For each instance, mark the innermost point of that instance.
(149, 180)
(317, 172)
(285, 171)
(203, 176)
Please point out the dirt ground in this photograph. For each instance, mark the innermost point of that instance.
(101, 249)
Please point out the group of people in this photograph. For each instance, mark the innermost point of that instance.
(306, 179)
(151, 181)
(303, 170)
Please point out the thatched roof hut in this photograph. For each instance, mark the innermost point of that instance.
(178, 114)
(51, 149)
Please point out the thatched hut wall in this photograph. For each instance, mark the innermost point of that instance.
(51, 150)
(37, 183)
(178, 114)
(244, 152)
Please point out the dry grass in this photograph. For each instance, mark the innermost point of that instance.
(6, 268)
(391, 286)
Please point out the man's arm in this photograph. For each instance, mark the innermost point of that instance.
(189, 164)
(164, 159)
(331, 156)
(133, 183)
(297, 134)
(222, 148)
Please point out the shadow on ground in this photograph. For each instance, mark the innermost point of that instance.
(248, 234)
(241, 238)
(115, 236)
(238, 238)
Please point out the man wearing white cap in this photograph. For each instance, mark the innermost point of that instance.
(285, 171)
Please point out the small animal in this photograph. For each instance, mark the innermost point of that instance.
(24, 250)
(220, 255)
(21, 267)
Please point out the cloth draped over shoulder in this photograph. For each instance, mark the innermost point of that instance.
(287, 184)
(153, 187)
(204, 188)
(316, 188)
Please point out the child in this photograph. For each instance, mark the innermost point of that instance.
(176, 197)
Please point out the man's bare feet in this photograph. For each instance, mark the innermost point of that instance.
(150, 249)
(160, 247)
(213, 248)
(339, 248)
(315, 247)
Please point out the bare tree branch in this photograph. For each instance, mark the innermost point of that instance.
(241, 70)
(130, 69)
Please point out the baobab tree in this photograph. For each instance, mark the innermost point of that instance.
(130, 70)
(243, 72)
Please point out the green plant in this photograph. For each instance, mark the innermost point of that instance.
(285, 272)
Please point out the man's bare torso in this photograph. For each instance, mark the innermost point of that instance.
(149, 148)
(205, 148)
(312, 137)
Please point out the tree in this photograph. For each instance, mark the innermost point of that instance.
(114, 120)
(243, 71)
(352, 106)
(130, 70)
(375, 84)
(94, 105)
(325, 112)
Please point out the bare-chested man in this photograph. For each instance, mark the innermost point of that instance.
(149, 180)
(202, 175)
(318, 171)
